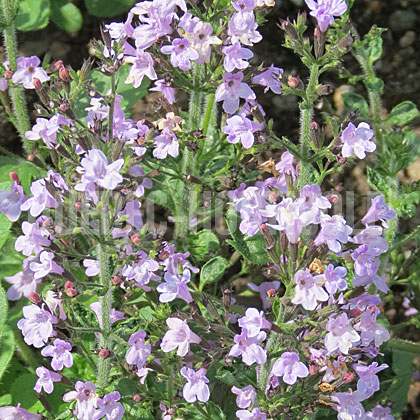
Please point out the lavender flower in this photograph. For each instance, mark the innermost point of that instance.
(341, 334)
(242, 28)
(311, 202)
(253, 322)
(255, 414)
(139, 351)
(334, 279)
(36, 326)
(175, 287)
(289, 367)
(16, 413)
(379, 413)
(263, 288)
(166, 144)
(167, 91)
(334, 232)
(92, 267)
(196, 388)
(142, 66)
(46, 380)
(59, 350)
(249, 348)
(357, 140)
(307, 291)
(114, 315)
(368, 382)
(378, 210)
(270, 79)
(28, 69)
(109, 407)
(176, 262)
(11, 201)
(178, 336)
(142, 271)
(86, 399)
(349, 406)
(240, 128)
(22, 283)
(245, 396)
(235, 57)
(231, 90)
(34, 238)
(244, 6)
(370, 330)
(45, 266)
(325, 10)
(40, 199)
(181, 53)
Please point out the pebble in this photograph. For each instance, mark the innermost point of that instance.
(402, 20)
(407, 39)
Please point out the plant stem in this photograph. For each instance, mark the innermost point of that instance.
(16, 92)
(104, 364)
(111, 108)
(306, 113)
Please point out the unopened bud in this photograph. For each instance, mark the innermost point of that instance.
(355, 312)
(63, 107)
(68, 285)
(34, 298)
(63, 73)
(269, 239)
(273, 197)
(342, 160)
(346, 42)
(71, 292)
(135, 238)
(154, 172)
(312, 369)
(116, 280)
(348, 377)
(227, 299)
(104, 353)
(14, 176)
(294, 83)
(31, 157)
(271, 293)
(8, 74)
(58, 64)
(64, 242)
(77, 205)
(316, 134)
(323, 90)
(136, 398)
(37, 83)
(333, 198)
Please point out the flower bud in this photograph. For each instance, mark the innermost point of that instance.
(136, 398)
(227, 299)
(64, 242)
(333, 198)
(68, 285)
(8, 74)
(348, 377)
(70, 292)
(135, 238)
(104, 353)
(58, 64)
(35, 298)
(14, 176)
(269, 239)
(271, 293)
(116, 280)
(346, 42)
(342, 160)
(63, 107)
(63, 73)
(323, 90)
(295, 83)
(78, 205)
(37, 83)
(312, 369)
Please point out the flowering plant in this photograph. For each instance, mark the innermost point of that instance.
(127, 303)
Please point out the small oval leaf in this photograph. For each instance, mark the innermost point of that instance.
(212, 271)
(403, 113)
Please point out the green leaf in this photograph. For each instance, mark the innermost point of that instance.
(412, 139)
(5, 400)
(374, 84)
(23, 392)
(3, 309)
(7, 348)
(108, 8)
(66, 15)
(403, 113)
(253, 248)
(32, 15)
(353, 101)
(204, 243)
(212, 271)
(5, 225)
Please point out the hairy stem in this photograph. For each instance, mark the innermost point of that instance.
(17, 97)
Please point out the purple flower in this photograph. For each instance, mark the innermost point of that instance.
(378, 210)
(59, 350)
(46, 380)
(357, 140)
(139, 351)
(133, 213)
(231, 90)
(270, 79)
(178, 336)
(167, 91)
(255, 414)
(310, 204)
(334, 279)
(372, 237)
(92, 267)
(196, 388)
(379, 413)
(245, 396)
(263, 288)
(334, 232)
(36, 325)
(242, 28)
(40, 199)
(34, 238)
(249, 348)
(370, 330)
(22, 283)
(244, 5)
(235, 57)
(253, 322)
(86, 399)
(349, 406)
(96, 170)
(325, 10)
(142, 66)
(109, 407)
(16, 413)
(368, 382)
(341, 334)
(307, 291)
(289, 367)
(174, 287)
(4, 84)
(45, 266)
(142, 271)
(166, 144)
(286, 165)
(47, 130)
(174, 262)
(240, 128)
(11, 201)
(27, 70)
(114, 315)
(181, 53)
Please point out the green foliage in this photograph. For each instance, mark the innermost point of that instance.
(252, 249)
(203, 243)
(7, 348)
(24, 385)
(108, 8)
(403, 113)
(32, 15)
(3, 310)
(354, 101)
(66, 15)
(212, 271)
(371, 44)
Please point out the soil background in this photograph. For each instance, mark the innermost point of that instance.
(399, 68)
